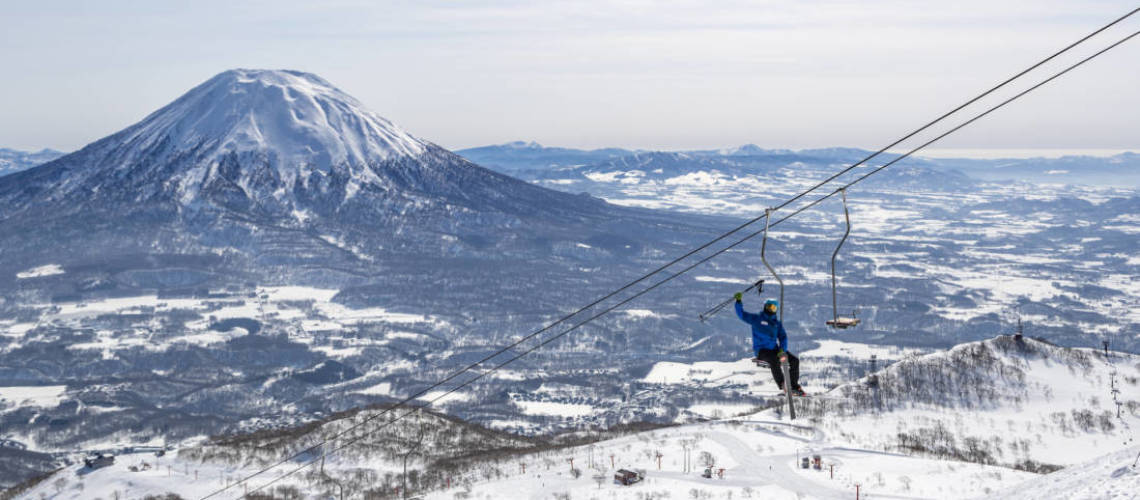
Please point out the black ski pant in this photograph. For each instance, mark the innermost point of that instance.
(772, 357)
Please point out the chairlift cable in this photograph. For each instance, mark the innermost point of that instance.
(678, 259)
(746, 238)
(977, 117)
(960, 126)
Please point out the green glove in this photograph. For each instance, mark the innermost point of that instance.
(739, 296)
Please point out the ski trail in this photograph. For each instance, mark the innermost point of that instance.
(773, 469)
(780, 469)
(818, 436)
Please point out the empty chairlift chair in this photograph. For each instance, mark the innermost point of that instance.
(837, 321)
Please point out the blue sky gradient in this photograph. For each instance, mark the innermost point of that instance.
(645, 74)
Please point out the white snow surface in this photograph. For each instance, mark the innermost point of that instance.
(41, 271)
(758, 458)
(47, 396)
(312, 308)
(857, 350)
(760, 452)
(1046, 404)
(1115, 476)
(300, 115)
(553, 408)
(296, 121)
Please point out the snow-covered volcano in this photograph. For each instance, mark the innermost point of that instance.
(294, 122)
(272, 143)
(251, 153)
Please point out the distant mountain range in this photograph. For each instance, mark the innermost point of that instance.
(12, 161)
(530, 160)
(522, 157)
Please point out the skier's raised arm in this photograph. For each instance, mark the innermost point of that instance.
(744, 316)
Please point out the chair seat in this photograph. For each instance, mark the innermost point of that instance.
(843, 322)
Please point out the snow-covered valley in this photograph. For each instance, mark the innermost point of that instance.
(983, 396)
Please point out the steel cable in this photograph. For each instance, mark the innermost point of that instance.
(704, 246)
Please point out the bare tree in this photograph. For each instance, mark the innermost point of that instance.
(707, 459)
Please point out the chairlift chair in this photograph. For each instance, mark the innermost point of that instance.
(843, 322)
(837, 321)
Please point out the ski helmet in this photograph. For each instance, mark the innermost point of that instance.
(771, 303)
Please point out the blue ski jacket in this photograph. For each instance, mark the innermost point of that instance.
(767, 331)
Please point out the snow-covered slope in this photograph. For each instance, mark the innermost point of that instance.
(298, 117)
(296, 123)
(438, 445)
(1115, 476)
(973, 422)
(759, 458)
(1022, 403)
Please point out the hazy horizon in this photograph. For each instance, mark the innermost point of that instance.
(635, 74)
(934, 153)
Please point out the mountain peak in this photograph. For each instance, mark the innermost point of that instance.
(296, 119)
(523, 145)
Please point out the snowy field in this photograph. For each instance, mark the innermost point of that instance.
(1115, 476)
(759, 458)
(821, 368)
(39, 395)
(758, 455)
(961, 241)
(41, 271)
(1056, 409)
(1041, 391)
(311, 308)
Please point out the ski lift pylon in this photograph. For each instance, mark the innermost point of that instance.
(837, 321)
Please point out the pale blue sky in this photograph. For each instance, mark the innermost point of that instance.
(669, 75)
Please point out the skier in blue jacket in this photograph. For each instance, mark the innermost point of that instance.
(770, 341)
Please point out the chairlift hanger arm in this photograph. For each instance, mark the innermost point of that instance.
(759, 286)
(764, 259)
